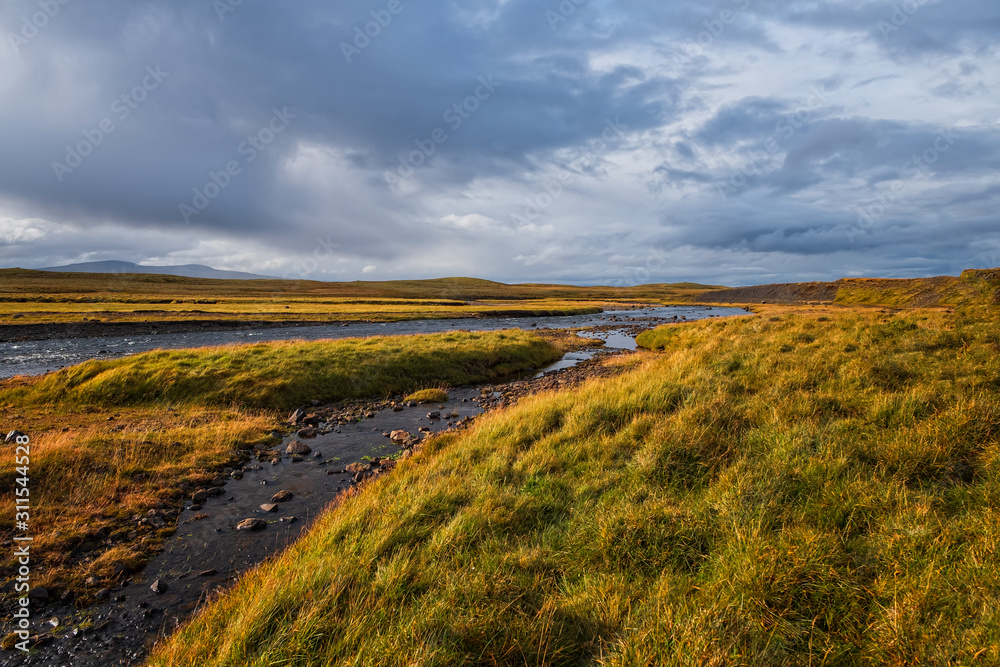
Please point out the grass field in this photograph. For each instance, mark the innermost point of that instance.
(781, 489)
(30, 297)
(112, 439)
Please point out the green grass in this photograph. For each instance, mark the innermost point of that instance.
(282, 375)
(803, 491)
(112, 439)
(428, 396)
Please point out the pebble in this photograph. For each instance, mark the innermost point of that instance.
(296, 447)
(251, 524)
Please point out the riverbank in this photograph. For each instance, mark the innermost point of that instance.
(778, 489)
(349, 444)
(38, 357)
(111, 440)
(97, 328)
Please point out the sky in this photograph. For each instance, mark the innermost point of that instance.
(572, 141)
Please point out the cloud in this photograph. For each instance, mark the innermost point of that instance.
(470, 138)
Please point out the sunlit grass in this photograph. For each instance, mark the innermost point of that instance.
(287, 374)
(771, 490)
(113, 439)
(33, 297)
(428, 396)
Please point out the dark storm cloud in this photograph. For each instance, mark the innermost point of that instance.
(713, 156)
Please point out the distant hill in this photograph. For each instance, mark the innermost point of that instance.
(185, 270)
(974, 285)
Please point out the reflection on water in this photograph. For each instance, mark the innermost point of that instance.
(36, 357)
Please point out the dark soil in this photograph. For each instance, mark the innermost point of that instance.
(778, 293)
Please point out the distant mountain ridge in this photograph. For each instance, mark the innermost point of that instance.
(184, 270)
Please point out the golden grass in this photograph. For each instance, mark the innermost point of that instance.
(34, 297)
(287, 374)
(768, 490)
(428, 396)
(90, 479)
(113, 439)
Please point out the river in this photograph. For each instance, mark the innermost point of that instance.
(43, 356)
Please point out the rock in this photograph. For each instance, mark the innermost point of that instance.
(12, 437)
(296, 447)
(308, 432)
(287, 519)
(92, 581)
(236, 474)
(282, 497)
(369, 415)
(297, 417)
(252, 525)
(425, 429)
(399, 436)
(356, 468)
(434, 415)
(207, 573)
(215, 491)
(102, 594)
(38, 593)
(158, 587)
(397, 408)
(269, 507)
